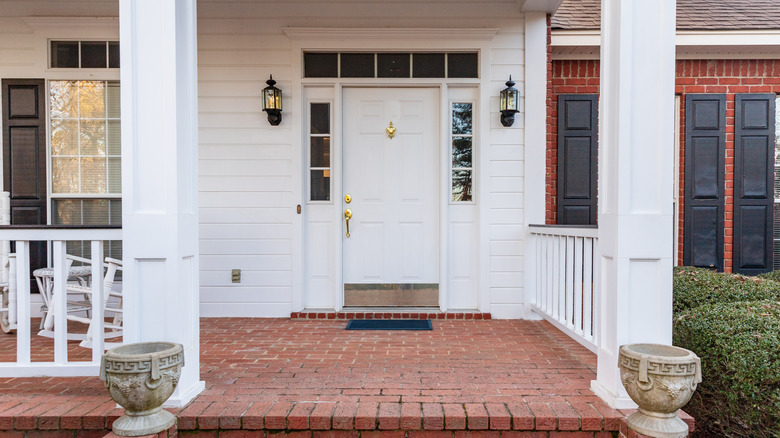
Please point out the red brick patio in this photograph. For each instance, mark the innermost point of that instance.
(312, 377)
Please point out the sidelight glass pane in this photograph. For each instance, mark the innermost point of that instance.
(93, 137)
(65, 54)
(93, 54)
(461, 185)
(393, 65)
(461, 118)
(320, 65)
(64, 137)
(461, 152)
(462, 65)
(428, 65)
(320, 118)
(320, 152)
(357, 65)
(320, 184)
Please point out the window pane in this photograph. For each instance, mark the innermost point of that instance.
(93, 175)
(114, 175)
(320, 65)
(393, 65)
(462, 65)
(428, 65)
(320, 118)
(115, 211)
(65, 175)
(114, 137)
(65, 54)
(461, 185)
(320, 185)
(92, 101)
(461, 118)
(113, 54)
(320, 152)
(357, 65)
(64, 99)
(93, 137)
(461, 152)
(95, 211)
(113, 100)
(93, 54)
(64, 137)
(66, 211)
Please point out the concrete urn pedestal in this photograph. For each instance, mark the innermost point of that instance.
(660, 379)
(140, 378)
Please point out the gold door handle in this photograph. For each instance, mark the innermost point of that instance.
(347, 216)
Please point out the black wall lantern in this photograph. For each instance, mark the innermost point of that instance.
(508, 102)
(272, 102)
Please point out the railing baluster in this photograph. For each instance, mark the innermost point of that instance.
(23, 302)
(587, 290)
(59, 303)
(566, 315)
(554, 267)
(577, 305)
(98, 301)
(596, 290)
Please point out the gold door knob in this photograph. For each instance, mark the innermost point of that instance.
(347, 216)
(347, 198)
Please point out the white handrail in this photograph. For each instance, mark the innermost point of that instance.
(564, 279)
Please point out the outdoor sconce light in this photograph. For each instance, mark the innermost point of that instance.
(272, 102)
(508, 102)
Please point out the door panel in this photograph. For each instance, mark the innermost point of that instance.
(394, 184)
(705, 155)
(754, 153)
(24, 157)
(577, 129)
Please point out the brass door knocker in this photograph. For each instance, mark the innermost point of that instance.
(390, 131)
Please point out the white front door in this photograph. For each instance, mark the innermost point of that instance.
(391, 256)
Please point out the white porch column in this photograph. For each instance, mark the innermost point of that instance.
(636, 144)
(535, 149)
(159, 178)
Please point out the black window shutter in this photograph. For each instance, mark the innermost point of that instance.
(754, 154)
(705, 157)
(24, 157)
(577, 130)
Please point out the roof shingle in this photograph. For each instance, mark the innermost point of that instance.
(691, 15)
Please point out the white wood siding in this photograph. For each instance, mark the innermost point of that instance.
(249, 183)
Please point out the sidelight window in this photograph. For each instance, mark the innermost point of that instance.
(319, 151)
(462, 148)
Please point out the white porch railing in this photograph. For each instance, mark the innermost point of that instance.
(564, 279)
(20, 314)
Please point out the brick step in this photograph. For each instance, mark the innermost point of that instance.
(406, 314)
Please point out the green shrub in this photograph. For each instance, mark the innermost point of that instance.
(739, 347)
(772, 275)
(694, 287)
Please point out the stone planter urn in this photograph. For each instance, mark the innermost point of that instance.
(660, 379)
(140, 378)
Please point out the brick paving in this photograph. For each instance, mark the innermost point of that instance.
(310, 377)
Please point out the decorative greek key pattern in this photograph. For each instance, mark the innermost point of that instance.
(142, 366)
(666, 369)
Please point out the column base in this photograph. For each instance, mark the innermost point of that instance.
(183, 395)
(614, 401)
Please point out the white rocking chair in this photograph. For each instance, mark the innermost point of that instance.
(112, 301)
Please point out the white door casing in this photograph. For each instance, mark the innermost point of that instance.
(394, 185)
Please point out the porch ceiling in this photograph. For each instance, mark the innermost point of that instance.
(313, 374)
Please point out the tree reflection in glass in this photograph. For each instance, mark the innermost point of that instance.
(462, 151)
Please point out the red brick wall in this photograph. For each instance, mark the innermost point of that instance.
(693, 76)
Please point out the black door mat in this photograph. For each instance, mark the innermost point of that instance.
(390, 324)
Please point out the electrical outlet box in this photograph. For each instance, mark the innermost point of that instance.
(235, 275)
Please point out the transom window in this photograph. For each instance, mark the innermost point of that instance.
(390, 65)
(84, 54)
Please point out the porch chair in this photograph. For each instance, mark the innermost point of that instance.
(112, 302)
(45, 279)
